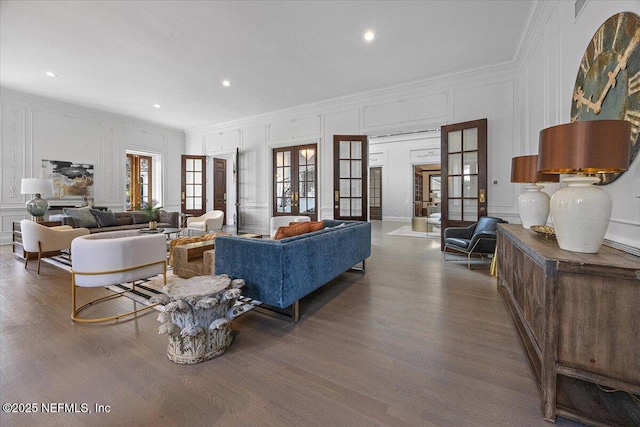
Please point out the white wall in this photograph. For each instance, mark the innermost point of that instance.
(549, 64)
(519, 99)
(35, 128)
(484, 93)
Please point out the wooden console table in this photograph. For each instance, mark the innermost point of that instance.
(578, 316)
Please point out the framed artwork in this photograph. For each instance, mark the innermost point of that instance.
(71, 181)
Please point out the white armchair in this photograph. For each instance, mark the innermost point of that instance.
(278, 221)
(114, 258)
(39, 239)
(205, 223)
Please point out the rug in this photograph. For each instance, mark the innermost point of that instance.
(148, 288)
(405, 231)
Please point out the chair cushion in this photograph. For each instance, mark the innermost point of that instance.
(197, 224)
(105, 218)
(82, 216)
(461, 243)
(486, 223)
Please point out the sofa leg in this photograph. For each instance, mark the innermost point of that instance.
(354, 268)
(291, 313)
(295, 308)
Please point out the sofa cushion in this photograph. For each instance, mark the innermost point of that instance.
(294, 229)
(139, 217)
(105, 218)
(82, 216)
(125, 220)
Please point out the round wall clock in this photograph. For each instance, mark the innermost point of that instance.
(608, 81)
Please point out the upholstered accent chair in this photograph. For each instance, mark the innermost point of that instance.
(279, 221)
(39, 239)
(113, 258)
(477, 239)
(206, 223)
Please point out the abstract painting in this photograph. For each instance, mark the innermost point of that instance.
(71, 181)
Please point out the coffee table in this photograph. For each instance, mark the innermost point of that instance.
(171, 231)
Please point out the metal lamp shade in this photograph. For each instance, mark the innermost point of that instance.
(581, 212)
(597, 146)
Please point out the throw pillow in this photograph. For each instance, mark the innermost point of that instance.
(316, 225)
(82, 216)
(105, 218)
(291, 230)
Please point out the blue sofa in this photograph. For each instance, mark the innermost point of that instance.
(280, 272)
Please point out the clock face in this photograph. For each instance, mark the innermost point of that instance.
(608, 81)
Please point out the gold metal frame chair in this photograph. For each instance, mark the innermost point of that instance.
(74, 313)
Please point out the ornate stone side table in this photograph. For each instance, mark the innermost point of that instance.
(196, 317)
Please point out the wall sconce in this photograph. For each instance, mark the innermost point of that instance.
(37, 206)
(581, 211)
(533, 204)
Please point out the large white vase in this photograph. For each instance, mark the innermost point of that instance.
(580, 214)
(533, 206)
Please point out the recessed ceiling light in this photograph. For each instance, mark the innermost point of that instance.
(369, 35)
(156, 105)
(226, 83)
(51, 74)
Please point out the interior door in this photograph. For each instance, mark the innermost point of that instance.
(350, 160)
(375, 193)
(194, 185)
(236, 181)
(294, 181)
(220, 186)
(139, 191)
(464, 173)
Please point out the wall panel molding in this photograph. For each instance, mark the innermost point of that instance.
(13, 152)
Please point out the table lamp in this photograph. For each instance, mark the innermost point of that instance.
(581, 211)
(533, 204)
(37, 206)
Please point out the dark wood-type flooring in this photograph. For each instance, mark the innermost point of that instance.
(415, 341)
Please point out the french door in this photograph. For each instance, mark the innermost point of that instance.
(194, 185)
(375, 193)
(350, 168)
(220, 186)
(139, 189)
(464, 173)
(294, 181)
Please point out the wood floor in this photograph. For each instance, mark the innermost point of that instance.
(413, 342)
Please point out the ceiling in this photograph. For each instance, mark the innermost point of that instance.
(125, 56)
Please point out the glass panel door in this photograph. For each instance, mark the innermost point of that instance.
(375, 193)
(294, 182)
(464, 172)
(194, 183)
(350, 177)
(139, 190)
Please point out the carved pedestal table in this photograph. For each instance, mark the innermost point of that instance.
(196, 317)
